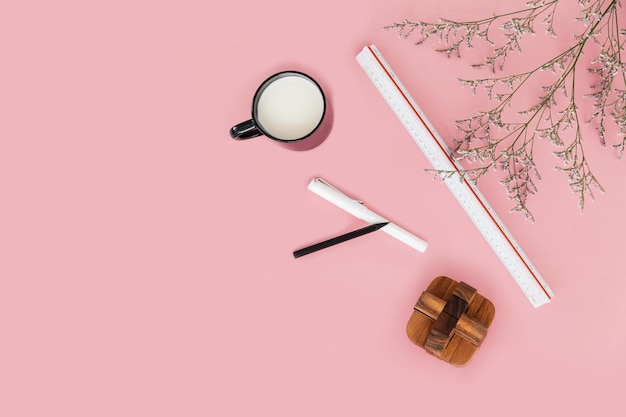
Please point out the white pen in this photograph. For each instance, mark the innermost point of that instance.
(322, 188)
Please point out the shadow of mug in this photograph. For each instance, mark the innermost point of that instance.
(290, 108)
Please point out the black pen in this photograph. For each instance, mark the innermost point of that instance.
(330, 242)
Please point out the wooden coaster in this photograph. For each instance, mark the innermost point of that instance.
(450, 320)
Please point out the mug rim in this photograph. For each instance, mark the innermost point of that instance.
(266, 83)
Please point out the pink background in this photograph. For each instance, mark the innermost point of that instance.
(145, 257)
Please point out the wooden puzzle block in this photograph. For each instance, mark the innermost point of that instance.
(430, 305)
(450, 320)
(455, 306)
(445, 323)
(464, 291)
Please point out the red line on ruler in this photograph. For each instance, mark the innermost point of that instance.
(465, 181)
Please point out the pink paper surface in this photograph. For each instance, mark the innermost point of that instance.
(146, 261)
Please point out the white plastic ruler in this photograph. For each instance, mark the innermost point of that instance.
(470, 198)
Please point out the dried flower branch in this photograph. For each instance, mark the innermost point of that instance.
(502, 138)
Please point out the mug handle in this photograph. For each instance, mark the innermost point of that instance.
(245, 130)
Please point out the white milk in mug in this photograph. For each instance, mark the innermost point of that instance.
(290, 107)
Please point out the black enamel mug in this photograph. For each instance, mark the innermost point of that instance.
(288, 106)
